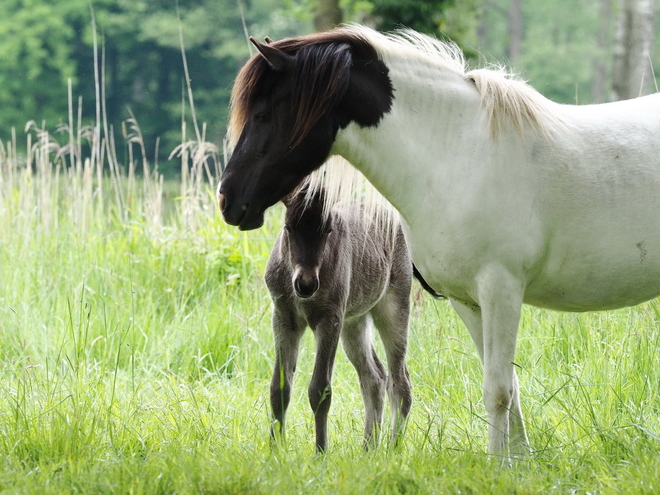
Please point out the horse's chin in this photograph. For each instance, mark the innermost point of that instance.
(251, 222)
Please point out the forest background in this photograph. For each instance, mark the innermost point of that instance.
(566, 50)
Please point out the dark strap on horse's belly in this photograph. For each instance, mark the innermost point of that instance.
(425, 285)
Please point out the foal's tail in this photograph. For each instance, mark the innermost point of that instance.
(425, 284)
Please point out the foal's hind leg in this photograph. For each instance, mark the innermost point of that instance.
(358, 345)
(391, 319)
(287, 331)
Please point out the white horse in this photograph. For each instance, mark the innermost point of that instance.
(505, 197)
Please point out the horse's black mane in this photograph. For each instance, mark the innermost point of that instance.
(323, 62)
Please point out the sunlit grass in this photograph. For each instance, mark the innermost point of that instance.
(136, 352)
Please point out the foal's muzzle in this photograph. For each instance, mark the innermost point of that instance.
(305, 287)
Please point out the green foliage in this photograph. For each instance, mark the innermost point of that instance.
(421, 15)
(46, 43)
(37, 44)
(559, 45)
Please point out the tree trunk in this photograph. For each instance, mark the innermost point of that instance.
(603, 40)
(515, 32)
(632, 74)
(327, 15)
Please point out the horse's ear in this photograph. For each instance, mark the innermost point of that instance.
(288, 199)
(268, 40)
(275, 57)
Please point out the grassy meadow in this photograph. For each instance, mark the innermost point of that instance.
(136, 351)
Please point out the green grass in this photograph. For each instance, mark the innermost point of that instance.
(136, 351)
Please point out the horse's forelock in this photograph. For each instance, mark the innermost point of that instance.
(323, 62)
(305, 201)
(322, 76)
(247, 82)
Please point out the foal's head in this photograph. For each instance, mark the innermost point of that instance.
(306, 234)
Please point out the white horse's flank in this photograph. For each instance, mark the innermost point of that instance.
(507, 198)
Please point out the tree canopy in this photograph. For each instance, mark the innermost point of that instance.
(562, 48)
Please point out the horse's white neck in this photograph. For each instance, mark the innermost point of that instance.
(416, 134)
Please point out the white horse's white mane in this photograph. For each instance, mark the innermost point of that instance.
(344, 184)
(506, 98)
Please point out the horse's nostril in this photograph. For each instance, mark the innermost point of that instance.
(221, 201)
(245, 206)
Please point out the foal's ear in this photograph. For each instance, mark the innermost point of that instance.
(275, 57)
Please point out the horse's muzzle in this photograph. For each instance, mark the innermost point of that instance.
(221, 201)
(243, 216)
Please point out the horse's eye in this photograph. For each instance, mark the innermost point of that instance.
(262, 116)
(329, 231)
(287, 228)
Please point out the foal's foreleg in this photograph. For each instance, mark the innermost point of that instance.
(358, 345)
(287, 332)
(320, 388)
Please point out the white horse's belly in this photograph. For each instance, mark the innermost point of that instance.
(590, 289)
(586, 267)
(600, 272)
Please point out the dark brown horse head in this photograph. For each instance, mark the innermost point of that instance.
(288, 103)
(306, 232)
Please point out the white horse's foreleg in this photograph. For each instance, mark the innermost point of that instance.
(500, 297)
(493, 327)
(518, 442)
(471, 316)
